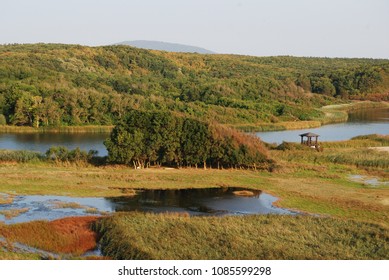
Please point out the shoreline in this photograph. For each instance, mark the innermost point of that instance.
(62, 129)
(332, 114)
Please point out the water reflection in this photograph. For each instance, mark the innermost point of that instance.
(41, 142)
(212, 201)
(360, 122)
(363, 122)
(369, 115)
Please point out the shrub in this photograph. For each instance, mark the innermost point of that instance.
(62, 154)
(20, 156)
(3, 120)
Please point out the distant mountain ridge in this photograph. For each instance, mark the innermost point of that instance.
(165, 46)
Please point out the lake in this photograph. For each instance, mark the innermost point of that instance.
(41, 142)
(205, 202)
(362, 122)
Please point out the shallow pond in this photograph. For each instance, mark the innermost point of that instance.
(212, 201)
(368, 181)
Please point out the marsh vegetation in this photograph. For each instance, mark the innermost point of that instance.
(350, 221)
(150, 236)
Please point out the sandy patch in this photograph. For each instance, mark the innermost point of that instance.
(382, 149)
(385, 201)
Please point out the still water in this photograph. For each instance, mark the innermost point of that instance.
(41, 142)
(212, 201)
(363, 122)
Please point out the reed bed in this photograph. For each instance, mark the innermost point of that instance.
(371, 140)
(358, 157)
(355, 152)
(261, 127)
(163, 236)
(20, 156)
(62, 129)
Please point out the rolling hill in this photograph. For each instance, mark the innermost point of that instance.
(164, 46)
(57, 85)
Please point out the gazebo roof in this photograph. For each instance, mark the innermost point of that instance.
(309, 134)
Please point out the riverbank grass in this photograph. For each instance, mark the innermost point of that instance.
(61, 129)
(167, 237)
(328, 114)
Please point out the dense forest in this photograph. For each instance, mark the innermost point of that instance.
(149, 138)
(59, 85)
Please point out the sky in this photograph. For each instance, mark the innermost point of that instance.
(324, 28)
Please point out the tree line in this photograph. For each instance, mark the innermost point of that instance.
(146, 138)
(57, 85)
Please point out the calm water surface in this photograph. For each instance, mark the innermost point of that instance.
(41, 142)
(212, 201)
(360, 123)
(363, 122)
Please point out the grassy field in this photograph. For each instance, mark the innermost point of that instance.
(353, 215)
(6, 255)
(151, 236)
(304, 180)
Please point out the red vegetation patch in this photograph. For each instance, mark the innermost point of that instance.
(71, 235)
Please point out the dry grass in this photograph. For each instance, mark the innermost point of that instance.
(12, 213)
(65, 236)
(6, 255)
(72, 205)
(112, 180)
(381, 149)
(278, 126)
(6, 199)
(64, 129)
(243, 193)
(150, 236)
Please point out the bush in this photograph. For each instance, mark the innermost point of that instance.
(62, 154)
(288, 146)
(3, 120)
(20, 156)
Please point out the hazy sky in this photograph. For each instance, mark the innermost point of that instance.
(333, 28)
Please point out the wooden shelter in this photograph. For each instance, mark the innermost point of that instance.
(309, 139)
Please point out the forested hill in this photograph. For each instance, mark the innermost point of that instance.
(50, 85)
